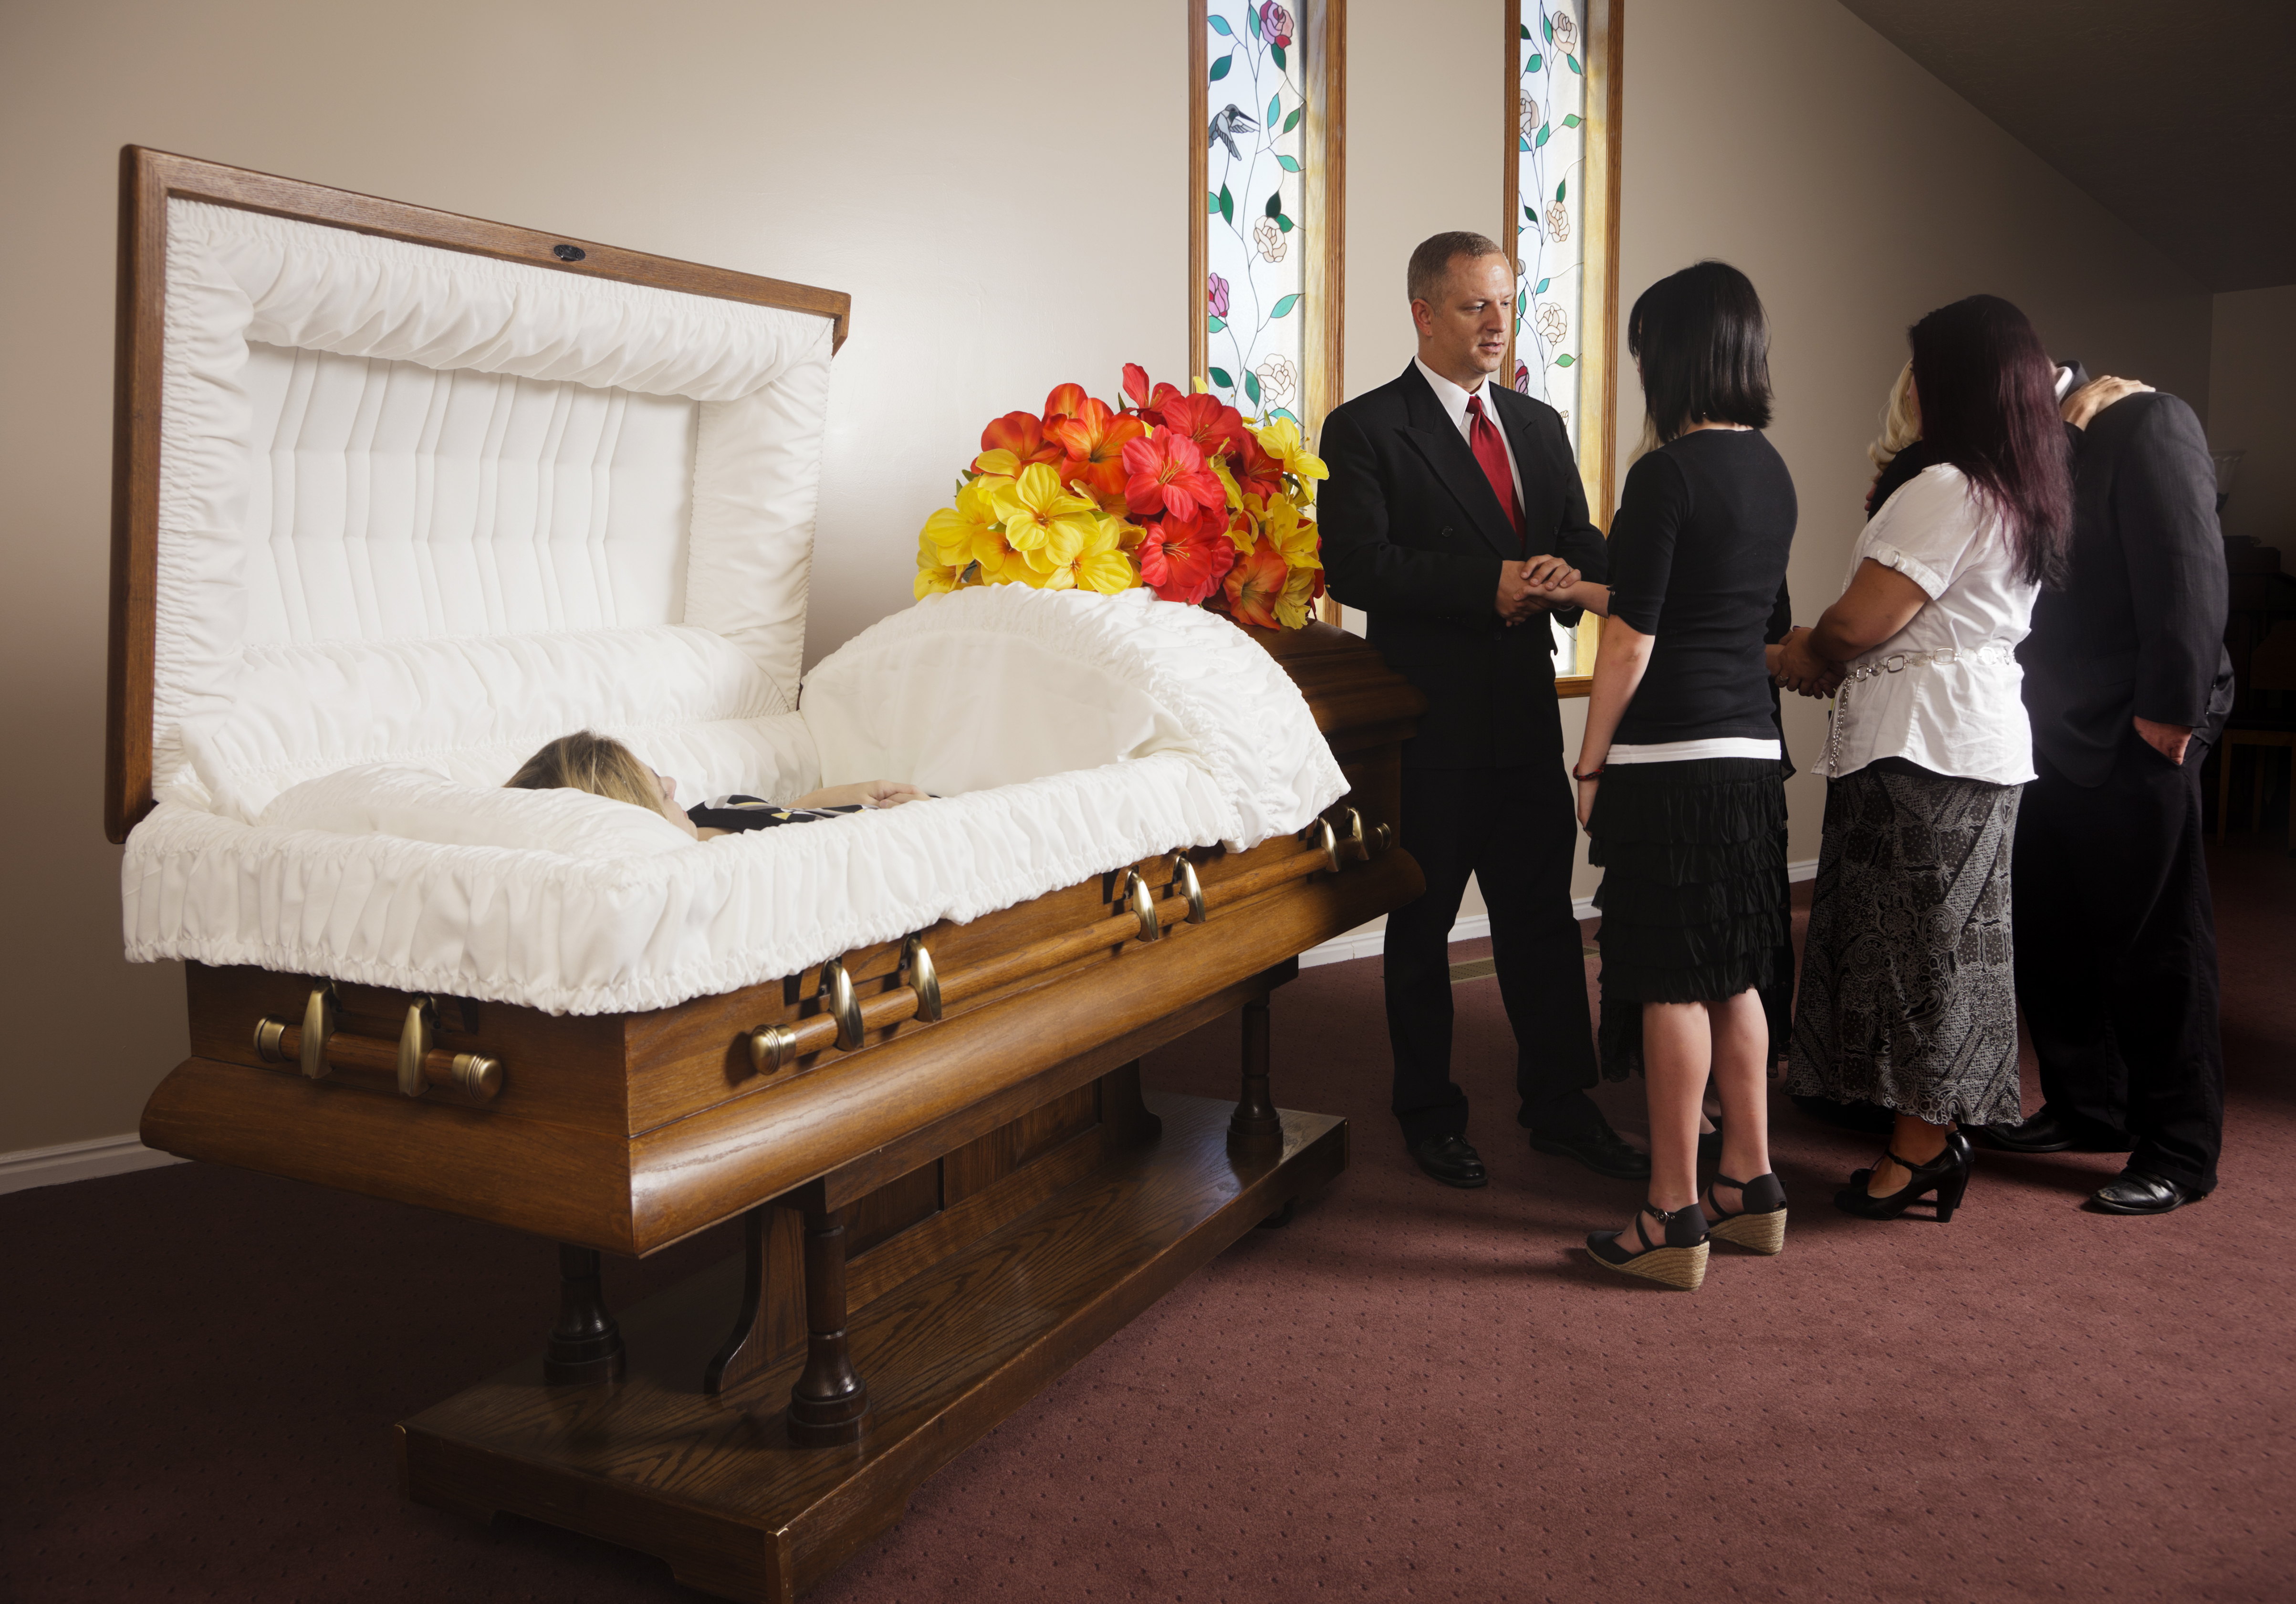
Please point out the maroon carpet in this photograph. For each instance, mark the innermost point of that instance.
(1411, 1391)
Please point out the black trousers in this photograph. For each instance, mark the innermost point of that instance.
(2117, 958)
(1516, 830)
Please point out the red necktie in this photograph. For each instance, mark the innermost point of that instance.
(1490, 451)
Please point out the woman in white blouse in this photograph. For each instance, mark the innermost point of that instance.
(1907, 998)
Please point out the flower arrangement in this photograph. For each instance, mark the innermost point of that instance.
(1177, 493)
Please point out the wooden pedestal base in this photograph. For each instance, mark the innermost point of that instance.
(715, 1486)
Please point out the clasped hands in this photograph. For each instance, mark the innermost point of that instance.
(1795, 667)
(1534, 586)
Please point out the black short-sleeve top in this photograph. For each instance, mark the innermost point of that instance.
(1698, 558)
(737, 813)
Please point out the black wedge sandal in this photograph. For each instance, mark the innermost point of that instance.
(1679, 1261)
(1761, 1224)
(1946, 1175)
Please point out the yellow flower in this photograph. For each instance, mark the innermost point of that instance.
(1281, 440)
(935, 576)
(1295, 537)
(1296, 605)
(1100, 564)
(958, 530)
(1039, 516)
(1218, 465)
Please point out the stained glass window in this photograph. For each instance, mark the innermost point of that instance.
(1256, 229)
(1550, 185)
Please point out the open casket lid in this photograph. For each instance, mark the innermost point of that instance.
(393, 482)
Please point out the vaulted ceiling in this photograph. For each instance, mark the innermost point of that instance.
(2178, 116)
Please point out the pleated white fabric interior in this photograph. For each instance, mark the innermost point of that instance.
(421, 511)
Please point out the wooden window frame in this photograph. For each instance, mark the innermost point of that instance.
(1603, 25)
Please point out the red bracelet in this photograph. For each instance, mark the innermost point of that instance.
(1583, 778)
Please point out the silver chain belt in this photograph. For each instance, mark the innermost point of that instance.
(1898, 662)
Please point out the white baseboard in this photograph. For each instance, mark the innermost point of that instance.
(1367, 942)
(77, 1161)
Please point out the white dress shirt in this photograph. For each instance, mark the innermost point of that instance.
(1953, 704)
(1454, 401)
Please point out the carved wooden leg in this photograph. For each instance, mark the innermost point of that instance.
(830, 1403)
(1255, 1129)
(767, 1324)
(585, 1344)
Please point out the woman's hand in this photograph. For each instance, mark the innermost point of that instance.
(866, 794)
(1798, 669)
(1587, 799)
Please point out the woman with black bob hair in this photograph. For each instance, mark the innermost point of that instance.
(1908, 996)
(1679, 782)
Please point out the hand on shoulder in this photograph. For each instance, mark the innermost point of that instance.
(2094, 396)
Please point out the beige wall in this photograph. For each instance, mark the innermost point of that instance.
(1001, 188)
(2253, 408)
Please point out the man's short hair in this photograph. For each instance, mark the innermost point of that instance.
(1432, 260)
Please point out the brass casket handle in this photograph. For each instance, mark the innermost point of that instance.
(1142, 903)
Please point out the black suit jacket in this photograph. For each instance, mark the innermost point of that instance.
(2138, 628)
(1413, 536)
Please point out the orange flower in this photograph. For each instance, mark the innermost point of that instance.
(1257, 473)
(1067, 400)
(1165, 473)
(1148, 405)
(1012, 443)
(1093, 438)
(1255, 586)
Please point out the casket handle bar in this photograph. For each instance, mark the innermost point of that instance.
(1137, 914)
(415, 1061)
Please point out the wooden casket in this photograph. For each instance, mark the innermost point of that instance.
(401, 496)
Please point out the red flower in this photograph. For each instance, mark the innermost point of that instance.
(1094, 438)
(1022, 434)
(1135, 391)
(1276, 23)
(1255, 584)
(1165, 473)
(1257, 473)
(1216, 427)
(1065, 401)
(1184, 561)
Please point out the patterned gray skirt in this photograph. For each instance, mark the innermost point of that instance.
(1908, 996)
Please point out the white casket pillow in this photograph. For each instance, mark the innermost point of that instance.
(416, 804)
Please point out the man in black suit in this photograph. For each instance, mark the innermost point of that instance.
(1453, 507)
(2128, 683)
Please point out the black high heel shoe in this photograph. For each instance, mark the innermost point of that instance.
(1759, 1224)
(1946, 1175)
(1677, 1261)
(1957, 1141)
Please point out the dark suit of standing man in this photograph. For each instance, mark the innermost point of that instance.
(1447, 552)
(2128, 683)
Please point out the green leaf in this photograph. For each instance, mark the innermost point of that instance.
(1287, 164)
(1571, 121)
(1526, 30)
(1251, 20)
(1275, 207)
(1541, 290)
(1293, 122)
(1549, 21)
(1565, 360)
(1521, 144)
(1560, 188)
(1252, 387)
(1213, 325)
(1286, 412)
(1276, 50)
(1283, 308)
(1531, 213)
(1522, 302)
(1275, 108)
(1537, 62)
(1227, 205)
(1284, 223)
(1211, 202)
(1574, 67)
(1545, 128)
(1218, 375)
(1220, 27)
(1518, 323)
(1220, 67)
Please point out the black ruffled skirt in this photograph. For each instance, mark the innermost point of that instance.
(1692, 895)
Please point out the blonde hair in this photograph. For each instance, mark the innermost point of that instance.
(596, 763)
(1901, 421)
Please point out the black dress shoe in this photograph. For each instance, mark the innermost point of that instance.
(1600, 1149)
(2137, 1193)
(2049, 1132)
(1451, 1161)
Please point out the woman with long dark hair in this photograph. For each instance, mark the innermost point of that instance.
(1908, 996)
(1679, 777)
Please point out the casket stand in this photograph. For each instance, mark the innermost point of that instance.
(952, 1183)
